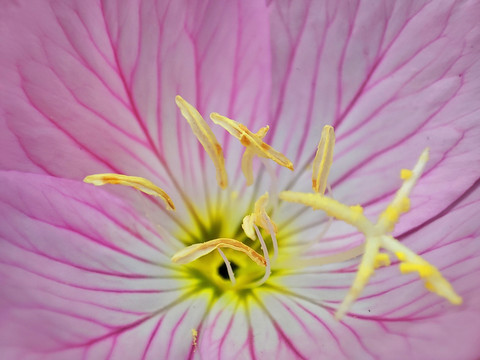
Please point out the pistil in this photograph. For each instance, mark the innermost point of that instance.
(377, 236)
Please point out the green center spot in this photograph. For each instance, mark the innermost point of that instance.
(223, 272)
(209, 272)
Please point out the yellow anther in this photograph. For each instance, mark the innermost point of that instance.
(251, 140)
(136, 182)
(323, 160)
(381, 259)
(389, 217)
(248, 155)
(247, 226)
(404, 205)
(195, 337)
(423, 270)
(400, 256)
(206, 137)
(357, 209)
(405, 174)
(259, 217)
(195, 251)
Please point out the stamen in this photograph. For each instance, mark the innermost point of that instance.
(195, 251)
(376, 236)
(260, 217)
(382, 259)
(251, 140)
(323, 160)
(247, 158)
(268, 270)
(229, 267)
(136, 182)
(206, 137)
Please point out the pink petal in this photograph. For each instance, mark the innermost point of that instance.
(83, 273)
(393, 78)
(97, 83)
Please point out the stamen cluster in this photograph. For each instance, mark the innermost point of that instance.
(377, 236)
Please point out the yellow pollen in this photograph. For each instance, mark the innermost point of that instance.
(404, 205)
(357, 209)
(381, 259)
(206, 137)
(195, 337)
(376, 237)
(136, 182)
(423, 270)
(251, 140)
(428, 285)
(195, 251)
(400, 256)
(323, 160)
(405, 174)
(390, 216)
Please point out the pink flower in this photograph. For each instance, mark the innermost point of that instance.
(86, 87)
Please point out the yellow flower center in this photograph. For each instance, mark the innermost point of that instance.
(247, 257)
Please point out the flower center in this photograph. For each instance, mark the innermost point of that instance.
(242, 259)
(224, 272)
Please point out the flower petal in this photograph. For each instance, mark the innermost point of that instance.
(84, 273)
(98, 83)
(389, 88)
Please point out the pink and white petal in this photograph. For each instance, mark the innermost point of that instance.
(411, 322)
(97, 83)
(389, 86)
(244, 330)
(82, 271)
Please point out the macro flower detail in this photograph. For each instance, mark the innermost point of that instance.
(258, 145)
(376, 236)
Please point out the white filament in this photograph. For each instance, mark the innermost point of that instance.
(274, 239)
(229, 267)
(267, 259)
